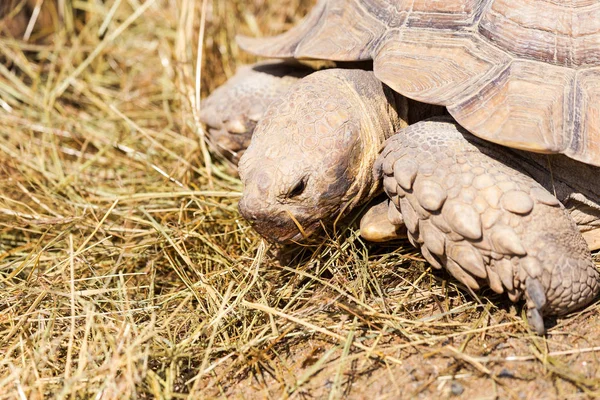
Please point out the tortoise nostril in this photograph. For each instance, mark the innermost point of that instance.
(263, 181)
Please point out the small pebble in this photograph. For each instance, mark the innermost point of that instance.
(505, 374)
(457, 389)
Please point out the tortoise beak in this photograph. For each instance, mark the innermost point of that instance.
(278, 223)
(272, 225)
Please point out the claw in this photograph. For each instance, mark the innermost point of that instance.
(536, 321)
(535, 293)
(536, 301)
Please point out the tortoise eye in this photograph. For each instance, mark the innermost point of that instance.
(298, 189)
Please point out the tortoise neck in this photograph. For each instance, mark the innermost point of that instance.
(382, 112)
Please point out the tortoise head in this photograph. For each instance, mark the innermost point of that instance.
(309, 160)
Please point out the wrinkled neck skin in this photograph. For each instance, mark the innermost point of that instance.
(381, 112)
(311, 156)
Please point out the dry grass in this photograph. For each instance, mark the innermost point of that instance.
(127, 272)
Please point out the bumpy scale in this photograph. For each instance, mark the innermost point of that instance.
(486, 221)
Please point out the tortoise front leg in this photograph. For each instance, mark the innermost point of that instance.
(486, 222)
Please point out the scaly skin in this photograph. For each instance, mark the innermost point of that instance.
(310, 157)
(232, 111)
(485, 221)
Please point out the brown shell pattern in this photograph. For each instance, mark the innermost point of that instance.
(522, 73)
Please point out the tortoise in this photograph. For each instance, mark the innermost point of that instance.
(508, 73)
(483, 211)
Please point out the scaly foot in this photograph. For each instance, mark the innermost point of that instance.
(485, 221)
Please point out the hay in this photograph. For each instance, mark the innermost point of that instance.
(127, 272)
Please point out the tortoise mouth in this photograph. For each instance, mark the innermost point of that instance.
(281, 226)
(286, 232)
(298, 236)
